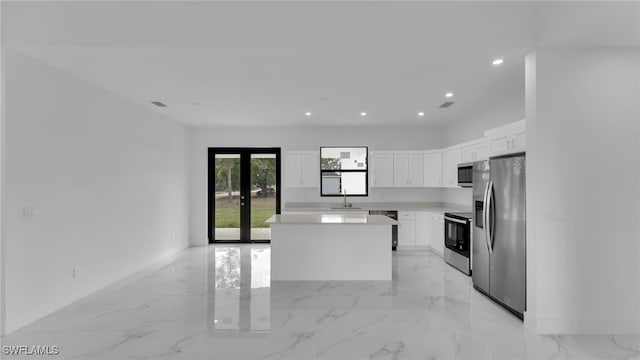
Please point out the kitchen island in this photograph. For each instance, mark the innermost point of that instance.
(330, 247)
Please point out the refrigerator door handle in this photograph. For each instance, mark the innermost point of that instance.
(484, 217)
(488, 225)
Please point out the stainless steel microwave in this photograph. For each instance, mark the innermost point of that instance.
(465, 175)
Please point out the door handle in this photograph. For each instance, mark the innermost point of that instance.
(488, 224)
(484, 216)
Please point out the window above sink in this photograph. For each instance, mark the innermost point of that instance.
(344, 171)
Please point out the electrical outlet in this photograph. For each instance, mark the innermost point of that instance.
(173, 237)
(29, 212)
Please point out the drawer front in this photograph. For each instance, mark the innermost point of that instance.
(408, 215)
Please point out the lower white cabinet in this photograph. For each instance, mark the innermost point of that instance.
(413, 229)
(436, 232)
(422, 228)
(406, 228)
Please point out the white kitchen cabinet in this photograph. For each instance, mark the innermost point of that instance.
(408, 170)
(302, 169)
(432, 169)
(413, 230)
(450, 160)
(416, 170)
(311, 169)
(422, 228)
(507, 139)
(382, 169)
(436, 232)
(475, 151)
(406, 228)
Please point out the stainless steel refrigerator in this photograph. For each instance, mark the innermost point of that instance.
(499, 231)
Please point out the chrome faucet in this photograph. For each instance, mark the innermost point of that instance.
(346, 204)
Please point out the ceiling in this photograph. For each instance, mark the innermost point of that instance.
(267, 63)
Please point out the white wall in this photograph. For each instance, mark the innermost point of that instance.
(2, 253)
(304, 138)
(107, 179)
(472, 128)
(583, 233)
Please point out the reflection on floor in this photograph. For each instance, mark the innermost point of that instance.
(218, 303)
(234, 234)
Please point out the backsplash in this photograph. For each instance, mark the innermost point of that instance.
(458, 196)
(375, 195)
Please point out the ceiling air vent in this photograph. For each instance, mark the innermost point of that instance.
(158, 104)
(446, 104)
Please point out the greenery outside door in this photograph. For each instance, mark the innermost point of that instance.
(244, 191)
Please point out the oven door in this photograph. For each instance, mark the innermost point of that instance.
(457, 235)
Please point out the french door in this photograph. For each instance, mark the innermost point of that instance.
(244, 191)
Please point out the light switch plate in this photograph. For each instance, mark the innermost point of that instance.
(29, 212)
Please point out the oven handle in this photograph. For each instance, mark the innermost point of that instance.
(455, 220)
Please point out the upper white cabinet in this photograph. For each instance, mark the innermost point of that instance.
(432, 169)
(408, 170)
(450, 160)
(507, 139)
(439, 168)
(475, 151)
(382, 172)
(302, 169)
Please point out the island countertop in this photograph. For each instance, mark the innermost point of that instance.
(334, 219)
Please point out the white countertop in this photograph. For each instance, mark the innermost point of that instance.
(400, 206)
(350, 219)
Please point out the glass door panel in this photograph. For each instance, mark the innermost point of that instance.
(244, 191)
(227, 197)
(263, 194)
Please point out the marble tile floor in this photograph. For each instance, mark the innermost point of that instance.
(218, 302)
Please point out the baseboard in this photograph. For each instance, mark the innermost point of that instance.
(414, 247)
(435, 251)
(128, 277)
(583, 326)
(194, 242)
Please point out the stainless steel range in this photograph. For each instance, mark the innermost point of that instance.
(457, 240)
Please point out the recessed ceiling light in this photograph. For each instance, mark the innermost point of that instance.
(420, 113)
(307, 113)
(449, 94)
(497, 62)
(363, 114)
